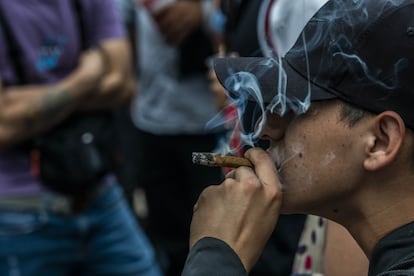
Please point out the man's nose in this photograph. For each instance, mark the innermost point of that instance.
(275, 126)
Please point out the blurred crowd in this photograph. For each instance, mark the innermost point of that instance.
(102, 103)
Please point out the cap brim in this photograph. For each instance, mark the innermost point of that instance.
(266, 71)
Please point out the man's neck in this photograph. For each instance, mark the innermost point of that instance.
(374, 225)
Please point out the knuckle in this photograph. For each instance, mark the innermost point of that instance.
(195, 207)
(228, 182)
(253, 182)
(257, 155)
(203, 195)
(251, 185)
(274, 194)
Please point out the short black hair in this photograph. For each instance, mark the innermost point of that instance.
(351, 114)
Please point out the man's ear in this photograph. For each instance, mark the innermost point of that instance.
(388, 136)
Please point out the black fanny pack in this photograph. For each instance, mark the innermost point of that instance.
(73, 157)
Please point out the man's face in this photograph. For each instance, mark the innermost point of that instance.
(318, 157)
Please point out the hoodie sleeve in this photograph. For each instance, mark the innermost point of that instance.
(213, 257)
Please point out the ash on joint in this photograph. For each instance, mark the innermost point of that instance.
(203, 158)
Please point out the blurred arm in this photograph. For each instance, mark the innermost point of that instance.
(209, 256)
(26, 111)
(178, 20)
(117, 86)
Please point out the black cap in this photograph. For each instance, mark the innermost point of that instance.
(360, 51)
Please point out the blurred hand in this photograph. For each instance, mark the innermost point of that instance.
(91, 65)
(243, 210)
(179, 19)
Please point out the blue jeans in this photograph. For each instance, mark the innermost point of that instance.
(104, 239)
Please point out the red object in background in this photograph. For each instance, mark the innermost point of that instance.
(235, 139)
(35, 163)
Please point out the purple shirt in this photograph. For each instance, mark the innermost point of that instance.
(47, 34)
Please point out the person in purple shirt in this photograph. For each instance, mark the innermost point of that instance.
(52, 67)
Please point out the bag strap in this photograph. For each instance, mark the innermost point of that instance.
(77, 7)
(14, 49)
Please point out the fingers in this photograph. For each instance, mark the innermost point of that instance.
(265, 168)
(172, 29)
(243, 210)
(205, 212)
(173, 34)
(241, 174)
(178, 20)
(231, 174)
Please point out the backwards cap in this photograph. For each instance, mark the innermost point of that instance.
(360, 51)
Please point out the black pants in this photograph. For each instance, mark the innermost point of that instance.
(172, 184)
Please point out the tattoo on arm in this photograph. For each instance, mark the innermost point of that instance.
(55, 104)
